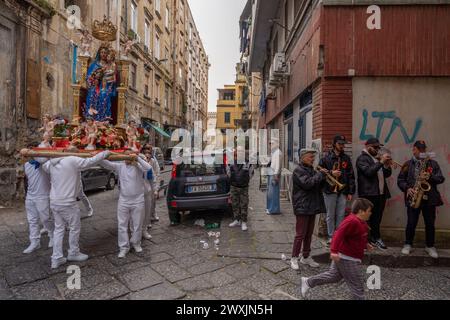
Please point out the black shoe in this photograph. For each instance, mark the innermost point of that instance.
(174, 223)
(380, 244)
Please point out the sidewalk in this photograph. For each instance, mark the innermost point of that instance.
(270, 237)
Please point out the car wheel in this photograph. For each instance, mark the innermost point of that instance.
(175, 217)
(111, 183)
(229, 211)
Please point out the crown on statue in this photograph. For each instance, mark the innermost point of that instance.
(105, 30)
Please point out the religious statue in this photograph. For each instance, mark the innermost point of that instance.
(102, 80)
(127, 47)
(86, 42)
(91, 132)
(132, 135)
(48, 129)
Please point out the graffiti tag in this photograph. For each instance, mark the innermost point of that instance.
(396, 125)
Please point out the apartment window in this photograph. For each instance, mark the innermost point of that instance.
(166, 98)
(227, 117)
(180, 73)
(181, 9)
(167, 18)
(134, 16)
(158, 6)
(157, 91)
(147, 33)
(167, 53)
(133, 75)
(146, 86)
(228, 96)
(157, 46)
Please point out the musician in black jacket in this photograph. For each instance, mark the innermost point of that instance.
(372, 173)
(340, 166)
(406, 181)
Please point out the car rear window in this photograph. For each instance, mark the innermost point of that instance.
(199, 170)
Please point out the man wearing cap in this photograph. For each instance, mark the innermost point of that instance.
(340, 166)
(406, 180)
(308, 202)
(372, 173)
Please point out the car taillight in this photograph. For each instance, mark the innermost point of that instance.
(230, 201)
(225, 159)
(174, 171)
(173, 204)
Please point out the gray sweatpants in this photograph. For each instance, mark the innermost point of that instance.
(348, 270)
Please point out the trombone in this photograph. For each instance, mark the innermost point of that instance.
(332, 181)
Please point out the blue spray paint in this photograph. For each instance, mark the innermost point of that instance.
(396, 123)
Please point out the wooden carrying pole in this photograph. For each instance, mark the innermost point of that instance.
(26, 153)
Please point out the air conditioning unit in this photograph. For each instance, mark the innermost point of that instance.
(279, 65)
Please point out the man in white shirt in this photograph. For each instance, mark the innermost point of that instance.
(273, 184)
(37, 202)
(65, 187)
(131, 200)
(151, 188)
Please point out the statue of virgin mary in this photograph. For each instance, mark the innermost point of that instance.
(102, 79)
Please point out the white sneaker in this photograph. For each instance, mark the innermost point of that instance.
(57, 263)
(90, 213)
(123, 253)
(43, 231)
(244, 226)
(32, 247)
(310, 262)
(146, 235)
(304, 286)
(294, 263)
(78, 258)
(406, 249)
(155, 219)
(432, 252)
(137, 248)
(235, 223)
(50, 243)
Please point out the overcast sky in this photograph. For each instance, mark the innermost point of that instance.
(218, 24)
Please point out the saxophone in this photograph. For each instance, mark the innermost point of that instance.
(420, 187)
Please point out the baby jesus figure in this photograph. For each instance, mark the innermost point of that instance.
(91, 132)
(47, 128)
(132, 135)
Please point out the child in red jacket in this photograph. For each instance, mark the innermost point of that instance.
(347, 252)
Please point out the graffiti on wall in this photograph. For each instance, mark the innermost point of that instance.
(395, 123)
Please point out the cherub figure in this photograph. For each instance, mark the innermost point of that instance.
(86, 42)
(47, 127)
(127, 47)
(91, 132)
(132, 135)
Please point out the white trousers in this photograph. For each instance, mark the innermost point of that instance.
(85, 200)
(66, 215)
(129, 215)
(38, 211)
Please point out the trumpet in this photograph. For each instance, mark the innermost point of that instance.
(391, 162)
(332, 181)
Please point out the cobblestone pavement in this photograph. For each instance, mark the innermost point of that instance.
(175, 266)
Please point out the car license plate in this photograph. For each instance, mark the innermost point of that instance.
(203, 188)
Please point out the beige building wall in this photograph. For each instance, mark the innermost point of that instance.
(400, 111)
